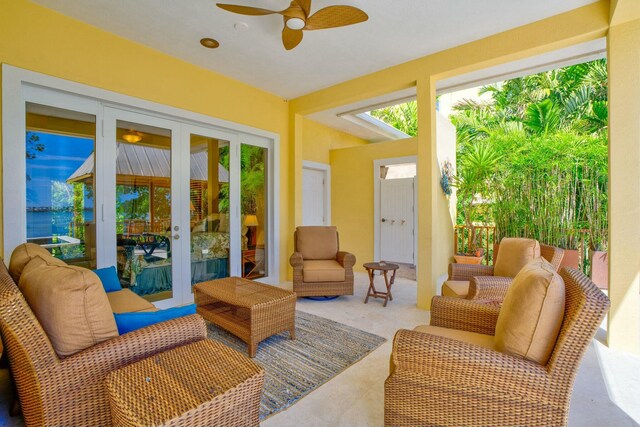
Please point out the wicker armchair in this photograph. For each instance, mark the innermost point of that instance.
(441, 381)
(479, 283)
(70, 391)
(319, 267)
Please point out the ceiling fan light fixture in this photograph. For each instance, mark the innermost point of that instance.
(132, 137)
(296, 23)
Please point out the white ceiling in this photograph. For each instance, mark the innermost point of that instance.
(397, 31)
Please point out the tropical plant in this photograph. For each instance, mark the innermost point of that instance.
(403, 117)
(473, 182)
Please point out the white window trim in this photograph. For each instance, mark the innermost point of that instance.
(376, 203)
(16, 80)
(326, 169)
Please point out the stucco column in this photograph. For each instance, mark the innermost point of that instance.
(624, 186)
(425, 259)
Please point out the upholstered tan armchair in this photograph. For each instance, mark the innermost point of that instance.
(457, 372)
(319, 267)
(490, 282)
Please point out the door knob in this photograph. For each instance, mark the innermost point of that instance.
(176, 236)
(384, 220)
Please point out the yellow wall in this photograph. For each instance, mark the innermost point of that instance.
(39, 39)
(352, 193)
(319, 139)
(624, 186)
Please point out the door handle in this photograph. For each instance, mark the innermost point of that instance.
(384, 220)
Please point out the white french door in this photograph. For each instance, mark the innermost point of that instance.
(169, 197)
(210, 184)
(143, 219)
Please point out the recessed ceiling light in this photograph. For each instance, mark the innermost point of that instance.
(209, 43)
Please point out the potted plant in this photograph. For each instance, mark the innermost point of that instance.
(595, 206)
(473, 182)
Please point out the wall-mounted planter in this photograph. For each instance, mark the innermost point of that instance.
(600, 268)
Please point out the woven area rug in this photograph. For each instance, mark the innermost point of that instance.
(293, 368)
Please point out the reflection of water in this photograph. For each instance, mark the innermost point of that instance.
(52, 223)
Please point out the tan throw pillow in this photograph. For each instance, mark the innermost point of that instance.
(514, 254)
(317, 242)
(532, 313)
(70, 304)
(23, 254)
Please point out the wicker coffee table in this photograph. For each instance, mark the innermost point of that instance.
(250, 310)
(201, 384)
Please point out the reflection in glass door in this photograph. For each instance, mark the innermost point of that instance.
(59, 152)
(143, 209)
(253, 201)
(209, 208)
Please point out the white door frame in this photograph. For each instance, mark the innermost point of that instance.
(376, 203)
(20, 85)
(326, 170)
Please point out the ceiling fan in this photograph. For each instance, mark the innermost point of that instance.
(297, 18)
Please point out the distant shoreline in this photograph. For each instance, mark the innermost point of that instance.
(49, 209)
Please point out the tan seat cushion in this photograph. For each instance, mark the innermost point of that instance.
(70, 304)
(25, 253)
(469, 337)
(532, 313)
(514, 254)
(322, 271)
(455, 288)
(315, 242)
(125, 301)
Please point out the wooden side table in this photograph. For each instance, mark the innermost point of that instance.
(385, 267)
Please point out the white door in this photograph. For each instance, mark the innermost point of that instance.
(313, 197)
(397, 220)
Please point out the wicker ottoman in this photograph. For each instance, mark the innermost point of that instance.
(200, 384)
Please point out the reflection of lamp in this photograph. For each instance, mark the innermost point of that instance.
(251, 222)
(132, 136)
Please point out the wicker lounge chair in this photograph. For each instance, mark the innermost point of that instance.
(319, 267)
(70, 391)
(444, 381)
(479, 282)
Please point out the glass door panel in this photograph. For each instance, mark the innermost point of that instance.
(253, 203)
(143, 209)
(209, 208)
(60, 166)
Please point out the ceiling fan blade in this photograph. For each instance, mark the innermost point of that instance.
(245, 10)
(291, 38)
(305, 5)
(335, 16)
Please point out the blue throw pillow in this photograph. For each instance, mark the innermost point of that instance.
(128, 322)
(109, 278)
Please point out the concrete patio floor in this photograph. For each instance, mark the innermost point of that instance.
(607, 388)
